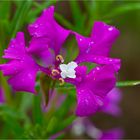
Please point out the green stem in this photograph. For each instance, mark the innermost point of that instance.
(118, 84)
(127, 83)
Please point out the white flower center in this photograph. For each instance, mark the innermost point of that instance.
(68, 70)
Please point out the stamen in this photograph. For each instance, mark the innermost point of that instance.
(55, 72)
(61, 81)
(60, 58)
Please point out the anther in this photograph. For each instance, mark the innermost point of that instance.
(61, 81)
(60, 58)
(55, 72)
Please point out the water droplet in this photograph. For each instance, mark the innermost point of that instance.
(35, 34)
(98, 68)
(36, 25)
(110, 28)
(30, 75)
(89, 48)
(91, 42)
(12, 46)
(82, 90)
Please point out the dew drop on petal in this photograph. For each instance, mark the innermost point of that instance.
(98, 68)
(36, 25)
(110, 28)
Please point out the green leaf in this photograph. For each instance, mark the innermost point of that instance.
(26, 101)
(9, 111)
(65, 124)
(45, 86)
(14, 125)
(37, 111)
(76, 11)
(63, 21)
(52, 124)
(12, 118)
(20, 16)
(5, 9)
(123, 9)
(46, 3)
(68, 121)
(79, 17)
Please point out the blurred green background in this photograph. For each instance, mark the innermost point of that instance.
(80, 16)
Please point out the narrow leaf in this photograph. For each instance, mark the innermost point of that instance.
(123, 9)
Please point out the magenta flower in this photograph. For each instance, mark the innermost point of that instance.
(96, 48)
(2, 97)
(21, 68)
(102, 37)
(48, 36)
(46, 43)
(111, 104)
(93, 88)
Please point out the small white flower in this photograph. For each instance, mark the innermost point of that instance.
(68, 70)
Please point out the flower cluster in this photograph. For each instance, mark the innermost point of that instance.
(47, 39)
